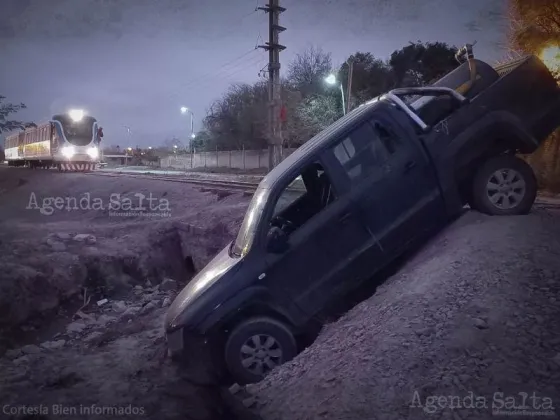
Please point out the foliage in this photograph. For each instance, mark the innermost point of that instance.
(239, 118)
(535, 26)
(420, 63)
(370, 77)
(7, 109)
(317, 112)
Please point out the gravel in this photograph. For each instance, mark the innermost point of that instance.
(473, 315)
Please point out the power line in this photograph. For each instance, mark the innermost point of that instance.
(220, 72)
(253, 61)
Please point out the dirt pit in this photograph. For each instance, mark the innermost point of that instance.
(83, 297)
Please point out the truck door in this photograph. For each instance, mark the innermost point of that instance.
(324, 235)
(392, 182)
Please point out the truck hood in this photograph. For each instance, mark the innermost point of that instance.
(213, 272)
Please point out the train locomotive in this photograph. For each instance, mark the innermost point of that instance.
(69, 142)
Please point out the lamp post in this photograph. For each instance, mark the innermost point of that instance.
(184, 110)
(331, 80)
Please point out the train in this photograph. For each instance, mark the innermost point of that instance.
(68, 142)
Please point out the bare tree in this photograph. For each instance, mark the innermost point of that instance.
(307, 71)
(9, 125)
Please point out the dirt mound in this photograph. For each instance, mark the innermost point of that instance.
(475, 311)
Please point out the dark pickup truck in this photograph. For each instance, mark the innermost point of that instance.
(356, 196)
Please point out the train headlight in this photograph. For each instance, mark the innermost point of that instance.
(68, 151)
(93, 152)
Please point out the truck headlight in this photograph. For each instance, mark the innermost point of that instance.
(68, 151)
(93, 152)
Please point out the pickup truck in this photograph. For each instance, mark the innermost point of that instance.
(354, 198)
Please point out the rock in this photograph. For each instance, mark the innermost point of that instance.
(130, 312)
(149, 307)
(168, 285)
(85, 237)
(480, 323)
(148, 283)
(30, 349)
(75, 327)
(235, 388)
(21, 360)
(102, 302)
(149, 297)
(103, 320)
(53, 345)
(63, 236)
(13, 354)
(93, 336)
(119, 306)
(249, 402)
(139, 288)
(166, 302)
(55, 245)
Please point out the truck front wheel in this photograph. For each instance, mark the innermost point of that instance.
(257, 346)
(504, 186)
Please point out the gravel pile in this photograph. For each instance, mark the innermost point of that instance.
(474, 316)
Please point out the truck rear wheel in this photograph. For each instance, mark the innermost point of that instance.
(504, 186)
(256, 346)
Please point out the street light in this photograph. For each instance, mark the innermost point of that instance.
(184, 110)
(331, 80)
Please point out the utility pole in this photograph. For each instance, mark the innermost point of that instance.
(349, 89)
(273, 47)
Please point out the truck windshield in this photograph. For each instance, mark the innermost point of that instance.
(246, 234)
(77, 133)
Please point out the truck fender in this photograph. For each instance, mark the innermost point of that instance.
(498, 125)
(492, 134)
(251, 295)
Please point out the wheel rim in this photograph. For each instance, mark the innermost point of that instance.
(506, 188)
(260, 354)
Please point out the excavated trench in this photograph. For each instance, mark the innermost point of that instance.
(43, 302)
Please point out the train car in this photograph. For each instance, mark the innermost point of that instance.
(69, 142)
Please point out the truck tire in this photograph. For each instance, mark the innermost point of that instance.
(256, 346)
(504, 186)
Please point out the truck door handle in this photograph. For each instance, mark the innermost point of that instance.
(409, 165)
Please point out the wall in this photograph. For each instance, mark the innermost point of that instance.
(238, 159)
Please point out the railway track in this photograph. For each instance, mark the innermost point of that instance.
(248, 188)
(209, 184)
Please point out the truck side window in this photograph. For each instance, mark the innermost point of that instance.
(389, 139)
(362, 152)
(308, 193)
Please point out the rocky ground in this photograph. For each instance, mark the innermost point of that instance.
(83, 294)
(471, 315)
(467, 326)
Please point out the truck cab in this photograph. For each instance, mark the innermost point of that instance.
(326, 219)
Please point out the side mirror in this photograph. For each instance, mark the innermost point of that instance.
(277, 241)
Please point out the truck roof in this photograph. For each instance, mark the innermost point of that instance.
(318, 142)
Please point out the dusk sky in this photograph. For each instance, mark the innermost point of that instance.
(136, 62)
